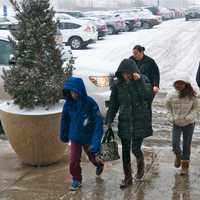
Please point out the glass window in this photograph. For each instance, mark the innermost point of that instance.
(4, 27)
(5, 52)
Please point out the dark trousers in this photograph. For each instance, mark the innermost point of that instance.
(136, 149)
(75, 159)
(187, 132)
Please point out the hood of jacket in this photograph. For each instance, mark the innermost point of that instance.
(127, 65)
(182, 77)
(76, 85)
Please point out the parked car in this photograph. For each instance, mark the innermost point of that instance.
(132, 21)
(5, 58)
(77, 33)
(155, 10)
(161, 11)
(100, 24)
(177, 12)
(63, 16)
(73, 13)
(146, 17)
(97, 80)
(114, 24)
(192, 13)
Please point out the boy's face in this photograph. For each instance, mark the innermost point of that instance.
(74, 95)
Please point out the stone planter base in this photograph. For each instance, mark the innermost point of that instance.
(34, 137)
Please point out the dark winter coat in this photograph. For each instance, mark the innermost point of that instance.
(133, 101)
(198, 76)
(81, 121)
(148, 67)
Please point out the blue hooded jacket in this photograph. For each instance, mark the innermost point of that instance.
(81, 121)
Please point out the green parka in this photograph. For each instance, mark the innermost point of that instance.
(133, 101)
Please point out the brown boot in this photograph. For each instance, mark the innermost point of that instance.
(177, 161)
(184, 167)
(140, 168)
(128, 176)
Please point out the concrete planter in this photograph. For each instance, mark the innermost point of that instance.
(34, 137)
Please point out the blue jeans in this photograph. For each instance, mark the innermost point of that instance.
(187, 132)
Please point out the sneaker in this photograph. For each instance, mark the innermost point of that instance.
(99, 169)
(75, 185)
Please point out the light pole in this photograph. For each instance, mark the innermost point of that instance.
(158, 3)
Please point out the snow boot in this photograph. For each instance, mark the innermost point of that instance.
(127, 176)
(140, 168)
(184, 167)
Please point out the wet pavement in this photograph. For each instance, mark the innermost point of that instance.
(161, 181)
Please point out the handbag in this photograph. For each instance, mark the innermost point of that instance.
(109, 147)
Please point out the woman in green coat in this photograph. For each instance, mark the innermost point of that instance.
(132, 96)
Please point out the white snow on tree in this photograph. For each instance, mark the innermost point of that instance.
(37, 77)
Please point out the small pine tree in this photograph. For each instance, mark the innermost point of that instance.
(37, 77)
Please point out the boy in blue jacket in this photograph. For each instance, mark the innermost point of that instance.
(82, 125)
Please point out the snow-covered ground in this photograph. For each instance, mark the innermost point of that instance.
(174, 45)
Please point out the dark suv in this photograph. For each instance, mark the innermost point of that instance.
(192, 13)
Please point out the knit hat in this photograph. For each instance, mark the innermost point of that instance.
(182, 77)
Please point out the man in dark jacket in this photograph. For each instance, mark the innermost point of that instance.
(147, 66)
(131, 96)
(198, 76)
(82, 125)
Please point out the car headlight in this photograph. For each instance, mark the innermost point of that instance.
(100, 81)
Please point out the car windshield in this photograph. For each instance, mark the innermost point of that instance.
(5, 52)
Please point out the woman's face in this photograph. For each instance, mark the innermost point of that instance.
(126, 76)
(138, 55)
(74, 95)
(179, 85)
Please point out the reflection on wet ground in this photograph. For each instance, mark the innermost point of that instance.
(161, 181)
(181, 189)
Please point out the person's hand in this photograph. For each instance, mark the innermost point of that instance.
(136, 76)
(93, 149)
(155, 90)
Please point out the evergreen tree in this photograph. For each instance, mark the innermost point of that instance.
(37, 77)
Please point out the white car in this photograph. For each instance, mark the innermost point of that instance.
(77, 33)
(97, 77)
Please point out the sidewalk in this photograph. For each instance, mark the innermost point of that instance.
(161, 180)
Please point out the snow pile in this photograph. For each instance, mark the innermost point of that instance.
(10, 107)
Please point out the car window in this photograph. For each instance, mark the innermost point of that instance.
(65, 25)
(76, 14)
(4, 27)
(8, 26)
(5, 52)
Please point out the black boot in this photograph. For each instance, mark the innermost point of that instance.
(140, 168)
(128, 176)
